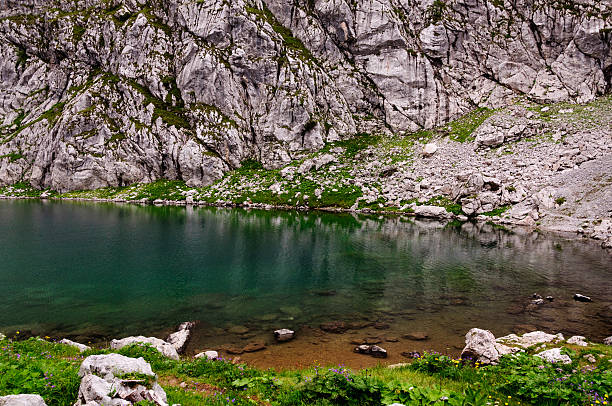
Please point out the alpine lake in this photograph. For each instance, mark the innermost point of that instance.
(95, 271)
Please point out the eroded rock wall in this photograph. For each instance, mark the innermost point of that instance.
(106, 93)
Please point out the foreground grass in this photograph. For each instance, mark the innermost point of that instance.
(50, 369)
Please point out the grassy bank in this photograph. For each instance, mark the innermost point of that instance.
(50, 369)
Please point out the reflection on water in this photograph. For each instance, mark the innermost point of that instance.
(95, 270)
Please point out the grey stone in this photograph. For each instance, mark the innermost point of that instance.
(163, 347)
(22, 400)
(554, 356)
(81, 347)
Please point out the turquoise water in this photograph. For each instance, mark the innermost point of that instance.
(94, 271)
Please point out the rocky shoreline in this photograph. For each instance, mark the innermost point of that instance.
(115, 379)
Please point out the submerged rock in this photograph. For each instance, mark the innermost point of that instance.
(163, 347)
(336, 327)
(22, 400)
(417, 336)
(254, 347)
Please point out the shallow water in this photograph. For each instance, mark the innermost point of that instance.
(96, 271)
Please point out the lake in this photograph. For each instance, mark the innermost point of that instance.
(94, 271)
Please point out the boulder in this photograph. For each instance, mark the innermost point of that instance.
(582, 298)
(2, 336)
(608, 340)
(480, 347)
(179, 339)
(373, 350)
(107, 366)
(103, 382)
(429, 149)
(417, 336)
(238, 330)
(336, 327)
(163, 347)
(577, 340)
(81, 347)
(529, 339)
(208, 354)
(435, 212)
(22, 400)
(284, 334)
(254, 347)
(554, 356)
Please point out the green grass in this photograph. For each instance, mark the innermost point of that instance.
(49, 369)
(461, 129)
(497, 212)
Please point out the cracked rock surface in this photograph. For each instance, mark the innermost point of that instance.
(107, 93)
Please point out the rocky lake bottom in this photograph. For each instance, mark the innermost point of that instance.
(93, 272)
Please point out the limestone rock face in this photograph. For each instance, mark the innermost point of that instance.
(163, 347)
(529, 339)
(22, 400)
(111, 93)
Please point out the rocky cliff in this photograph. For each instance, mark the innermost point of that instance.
(97, 93)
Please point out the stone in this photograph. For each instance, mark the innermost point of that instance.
(435, 212)
(163, 347)
(581, 298)
(417, 336)
(480, 347)
(238, 330)
(608, 340)
(180, 338)
(577, 340)
(554, 356)
(254, 347)
(400, 365)
(80, 347)
(411, 354)
(429, 149)
(550, 298)
(284, 334)
(107, 366)
(373, 350)
(530, 339)
(101, 383)
(22, 400)
(2, 336)
(211, 355)
(335, 327)
(590, 358)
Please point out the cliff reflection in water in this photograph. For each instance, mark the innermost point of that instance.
(99, 270)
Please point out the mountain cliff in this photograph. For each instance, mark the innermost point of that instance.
(97, 93)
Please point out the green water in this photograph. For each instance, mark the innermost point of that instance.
(93, 271)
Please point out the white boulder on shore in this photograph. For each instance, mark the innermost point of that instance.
(208, 355)
(554, 356)
(162, 346)
(179, 339)
(480, 346)
(22, 400)
(530, 339)
(103, 382)
(81, 347)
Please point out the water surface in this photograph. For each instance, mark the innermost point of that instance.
(96, 271)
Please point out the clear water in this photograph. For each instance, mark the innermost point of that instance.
(94, 271)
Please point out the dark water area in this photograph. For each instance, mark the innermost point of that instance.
(98, 271)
